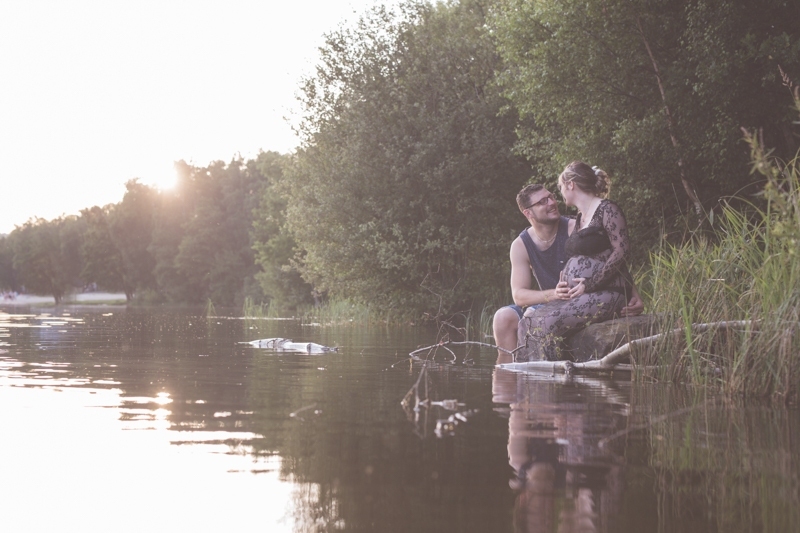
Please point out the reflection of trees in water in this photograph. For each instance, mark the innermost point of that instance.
(360, 464)
(564, 479)
(722, 466)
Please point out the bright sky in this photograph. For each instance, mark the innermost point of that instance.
(94, 93)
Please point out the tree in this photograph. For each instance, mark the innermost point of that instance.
(403, 192)
(276, 252)
(215, 252)
(8, 277)
(171, 210)
(201, 239)
(131, 229)
(102, 260)
(653, 91)
(46, 256)
(70, 240)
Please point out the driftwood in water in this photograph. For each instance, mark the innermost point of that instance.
(613, 360)
(286, 345)
(599, 347)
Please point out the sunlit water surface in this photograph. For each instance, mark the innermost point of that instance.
(117, 419)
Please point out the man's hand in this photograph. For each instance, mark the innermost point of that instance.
(562, 289)
(635, 306)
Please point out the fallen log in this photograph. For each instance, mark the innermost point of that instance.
(614, 359)
(596, 340)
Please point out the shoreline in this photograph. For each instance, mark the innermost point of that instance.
(90, 298)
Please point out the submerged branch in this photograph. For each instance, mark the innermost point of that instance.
(457, 343)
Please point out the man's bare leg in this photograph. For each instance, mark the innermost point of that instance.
(504, 328)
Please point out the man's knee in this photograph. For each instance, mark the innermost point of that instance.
(504, 329)
(505, 321)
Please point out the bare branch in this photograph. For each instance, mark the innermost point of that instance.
(671, 125)
(459, 343)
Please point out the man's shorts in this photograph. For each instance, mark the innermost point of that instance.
(520, 311)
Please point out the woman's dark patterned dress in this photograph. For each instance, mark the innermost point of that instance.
(606, 280)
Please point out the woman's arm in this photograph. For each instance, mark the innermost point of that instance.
(616, 227)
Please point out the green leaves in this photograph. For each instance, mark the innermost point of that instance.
(102, 260)
(201, 237)
(586, 87)
(131, 229)
(405, 186)
(46, 258)
(276, 251)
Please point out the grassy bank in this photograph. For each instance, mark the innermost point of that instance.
(329, 313)
(746, 268)
(471, 325)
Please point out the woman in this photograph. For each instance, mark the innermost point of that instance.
(595, 280)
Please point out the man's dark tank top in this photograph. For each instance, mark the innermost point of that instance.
(547, 265)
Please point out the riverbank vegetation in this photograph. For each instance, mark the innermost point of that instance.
(745, 268)
(418, 127)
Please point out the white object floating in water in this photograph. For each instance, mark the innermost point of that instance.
(286, 345)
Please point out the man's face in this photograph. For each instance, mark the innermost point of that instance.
(542, 207)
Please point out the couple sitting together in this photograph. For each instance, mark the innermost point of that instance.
(580, 266)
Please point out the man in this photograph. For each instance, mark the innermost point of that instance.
(539, 251)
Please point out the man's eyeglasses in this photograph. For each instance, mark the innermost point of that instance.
(543, 202)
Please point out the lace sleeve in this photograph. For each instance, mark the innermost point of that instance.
(613, 220)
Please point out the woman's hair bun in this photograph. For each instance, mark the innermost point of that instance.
(603, 182)
(593, 180)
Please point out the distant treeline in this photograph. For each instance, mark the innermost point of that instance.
(215, 236)
(419, 126)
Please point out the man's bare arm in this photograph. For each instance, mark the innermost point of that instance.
(522, 278)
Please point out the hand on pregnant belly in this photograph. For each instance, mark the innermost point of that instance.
(577, 269)
(578, 289)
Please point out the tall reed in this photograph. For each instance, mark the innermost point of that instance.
(337, 311)
(252, 310)
(747, 268)
(211, 311)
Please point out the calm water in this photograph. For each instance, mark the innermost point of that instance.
(154, 420)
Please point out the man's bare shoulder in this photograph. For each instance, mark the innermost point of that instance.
(517, 242)
(518, 251)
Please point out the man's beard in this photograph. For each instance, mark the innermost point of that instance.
(547, 221)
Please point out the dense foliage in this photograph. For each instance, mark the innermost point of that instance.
(653, 91)
(276, 252)
(46, 255)
(750, 273)
(418, 127)
(403, 192)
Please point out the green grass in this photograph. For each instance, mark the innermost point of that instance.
(335, 312)
(746, 268)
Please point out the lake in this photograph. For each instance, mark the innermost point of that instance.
(117, 419)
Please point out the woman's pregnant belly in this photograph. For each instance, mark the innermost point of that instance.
(581, 266)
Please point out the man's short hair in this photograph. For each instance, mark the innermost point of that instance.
(524, 196)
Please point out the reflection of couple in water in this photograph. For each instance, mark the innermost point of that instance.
(580, 266)
(564, 480)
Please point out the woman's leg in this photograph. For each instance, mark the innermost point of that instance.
(548, 324)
